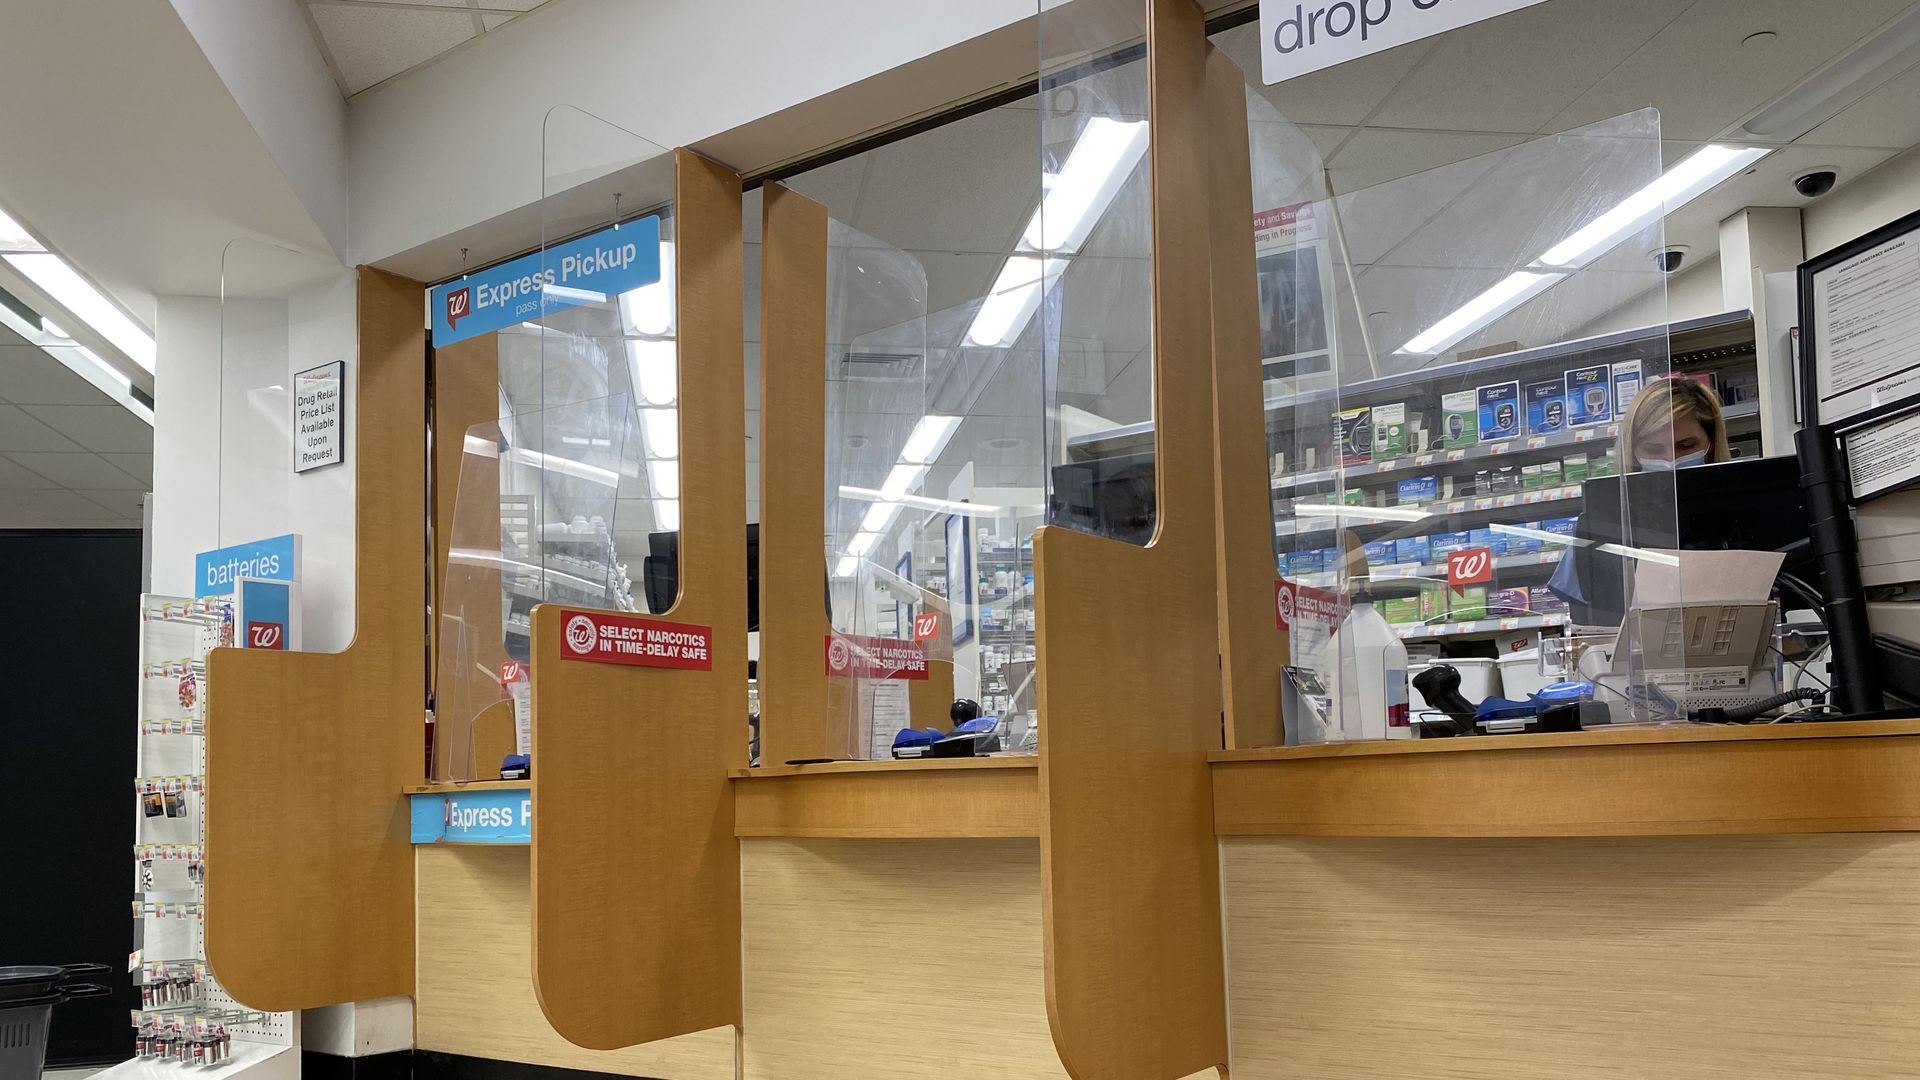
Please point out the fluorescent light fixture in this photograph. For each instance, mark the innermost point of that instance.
(14, 236)
(564, 466)
(575, 440)
(480, 447)
(879, 517)
(1816, 101)
(664, 476)
(1364, 513)
(1097, 166)
(1675, 188)
(862, 543)
(666, 514)
(1016, 293)
(53, 276)
(662, 430)
(922, 502)
(930, 435)
(648, 310)
(652, 369)
(52, 329)
(1509, 293)
(846, 567)
(900, 480)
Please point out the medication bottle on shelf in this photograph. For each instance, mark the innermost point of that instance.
(1372, 691)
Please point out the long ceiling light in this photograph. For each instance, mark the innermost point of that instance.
(15, 237)
(1015, 296)
(900, 479)
(1699, 172)
(1098, 165)
(664, 476)
(929, 437)
(1508, 293)
(1816, 101)
(648, 310)
(1678, 186)
(51, 274)
(652, 371)
(661, 429)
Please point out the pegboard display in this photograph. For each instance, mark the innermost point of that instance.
(186, 1018)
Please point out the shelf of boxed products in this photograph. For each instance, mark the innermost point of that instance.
(1443, 460)
(1502, 625)
(1555, 497)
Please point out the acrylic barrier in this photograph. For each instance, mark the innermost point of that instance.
(1447, 401)
(281, 546)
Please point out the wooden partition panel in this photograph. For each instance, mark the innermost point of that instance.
(795, 720)
(636, 874)
(1129, 675)
(310, 868)
(1252, 651)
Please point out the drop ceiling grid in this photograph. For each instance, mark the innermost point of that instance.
(367, 42)
(69, 458)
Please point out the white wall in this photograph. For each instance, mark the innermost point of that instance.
(1693, 292)
(458, 142)
(1887, 193)
(223, 474)
(266, 56)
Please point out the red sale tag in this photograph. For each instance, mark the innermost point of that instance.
(926, 626)
(266, 635)
(623, 639)
(1469, 567)
(875, 658)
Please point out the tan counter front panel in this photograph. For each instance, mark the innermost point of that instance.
(1725, 958)
(896, 959)
(474, 986)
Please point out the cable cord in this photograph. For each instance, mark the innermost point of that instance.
(1750, 711)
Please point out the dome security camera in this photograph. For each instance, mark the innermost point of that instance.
(1815, 182)
(1668, 259)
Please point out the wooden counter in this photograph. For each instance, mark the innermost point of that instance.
(990, 797)
(1638, 781)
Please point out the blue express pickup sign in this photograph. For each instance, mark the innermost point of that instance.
(598, 266)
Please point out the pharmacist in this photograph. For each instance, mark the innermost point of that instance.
(1673, 423)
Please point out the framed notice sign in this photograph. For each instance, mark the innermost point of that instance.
(1860, 327)
(319, 417)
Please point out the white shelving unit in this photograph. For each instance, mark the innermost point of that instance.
(186, 1018)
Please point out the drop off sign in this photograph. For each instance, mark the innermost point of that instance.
(1298, 38)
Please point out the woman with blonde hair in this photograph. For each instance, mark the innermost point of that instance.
(1673, 423)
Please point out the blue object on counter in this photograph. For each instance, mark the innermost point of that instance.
(1561, 693)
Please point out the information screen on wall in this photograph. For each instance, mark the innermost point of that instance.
(1865, 325)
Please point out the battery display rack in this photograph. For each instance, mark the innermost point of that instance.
(185, 1017)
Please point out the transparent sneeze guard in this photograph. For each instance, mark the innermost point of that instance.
(572, 494)
(1086, 283)
(284, 509)
(1458, 366)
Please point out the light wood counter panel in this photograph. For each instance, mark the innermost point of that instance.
(474, 990)
(1252, 651)
(1129, 684)
(958, 797)
(1842, 777)
(309, 863)
(636, 873)
(894, 959)
(1725, 958)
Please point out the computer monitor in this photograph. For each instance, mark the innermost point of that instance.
(660, 572)
(1750, 504)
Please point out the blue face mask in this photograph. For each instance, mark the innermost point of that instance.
(1698, 457)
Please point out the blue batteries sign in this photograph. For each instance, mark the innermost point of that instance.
(591, 269)
(218, 572)
(487, 816)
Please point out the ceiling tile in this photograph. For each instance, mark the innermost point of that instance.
(495, 22)
(372, 44)
(29, 375)
(430, 3)
(79, 471)
(56, 507)
(15, 478)
(966, 186)
(126, 504)
(1515, 71)
(18, 431)
(138, 466)
(105, 428)
(1887, 117)
(1374, 157)
(1703, 80)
